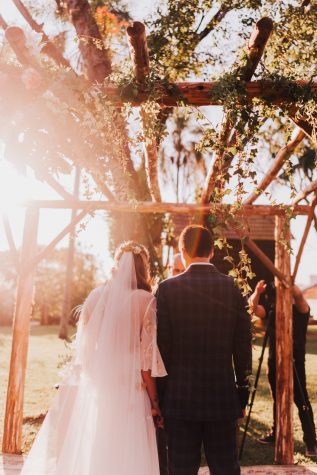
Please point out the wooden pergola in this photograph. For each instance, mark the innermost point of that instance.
(181, 94)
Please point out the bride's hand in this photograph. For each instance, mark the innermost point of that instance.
(157, 418)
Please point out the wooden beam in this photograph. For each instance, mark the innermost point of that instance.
(177, 208)
(63, 327)
(180, 93)
(199, 93)
(309, 221)
(256, 46)
(139, 50)
(140, 58)
(266, 261)
(257, 251)
(17, 40)
(48, 48)
(284, 443)
(305, 192)
(305, 126)
(254, 51)
(13, 250)
(276, 166)
(12, 436)
(53, 183)
(3, 23)
(49, 248)
(96, 58)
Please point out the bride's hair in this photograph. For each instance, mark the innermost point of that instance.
(141, 262)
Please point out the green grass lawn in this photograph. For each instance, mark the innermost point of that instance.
(46, 351)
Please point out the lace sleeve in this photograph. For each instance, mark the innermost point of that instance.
(150, 355)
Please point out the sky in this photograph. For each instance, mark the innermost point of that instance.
(94, 238)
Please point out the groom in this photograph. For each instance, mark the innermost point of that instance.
(204, 335)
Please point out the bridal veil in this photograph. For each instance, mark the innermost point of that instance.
(100, 421)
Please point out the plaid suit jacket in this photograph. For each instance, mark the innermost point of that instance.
(204, 335)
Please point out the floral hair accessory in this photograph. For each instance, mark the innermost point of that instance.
(131, 246)
(137, 250)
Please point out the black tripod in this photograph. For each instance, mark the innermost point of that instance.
(254, 389)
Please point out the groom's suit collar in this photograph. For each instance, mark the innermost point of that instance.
(201, 266)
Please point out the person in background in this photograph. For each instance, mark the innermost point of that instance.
(263, 302)
(177, 267)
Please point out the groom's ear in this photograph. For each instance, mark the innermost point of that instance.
(212, 254)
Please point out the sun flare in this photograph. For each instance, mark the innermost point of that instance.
(14, 188)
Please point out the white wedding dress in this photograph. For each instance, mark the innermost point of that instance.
(100, 421)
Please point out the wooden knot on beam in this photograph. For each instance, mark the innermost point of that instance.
(139, 50)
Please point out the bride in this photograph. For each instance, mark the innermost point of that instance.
(101, 421)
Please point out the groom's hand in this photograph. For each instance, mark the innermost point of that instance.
(243, 393)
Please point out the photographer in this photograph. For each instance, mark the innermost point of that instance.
(263, 303)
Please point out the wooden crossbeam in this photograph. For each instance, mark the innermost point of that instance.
(140, 58)
(177, 94)
(49, 248)
(175, 208)
(276, 166)
(53, 183)
(266, 261)
(200, 93)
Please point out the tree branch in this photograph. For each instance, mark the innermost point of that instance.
(97, 60)
(221, 13)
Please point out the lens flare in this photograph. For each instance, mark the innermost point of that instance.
(14, 188)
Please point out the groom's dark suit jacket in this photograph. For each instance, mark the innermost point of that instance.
(204, 335)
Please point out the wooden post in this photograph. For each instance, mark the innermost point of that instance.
(140, 57)
(63, 329)
(12, 437)
(284, 444)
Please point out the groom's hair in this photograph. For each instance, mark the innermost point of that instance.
(197, 241)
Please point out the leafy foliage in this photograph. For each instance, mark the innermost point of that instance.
(186, 40)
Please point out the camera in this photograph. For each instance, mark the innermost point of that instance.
(271, 291)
